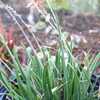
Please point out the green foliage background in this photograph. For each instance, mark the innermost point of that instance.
(78, 6)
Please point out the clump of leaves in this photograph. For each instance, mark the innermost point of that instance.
(57, 78)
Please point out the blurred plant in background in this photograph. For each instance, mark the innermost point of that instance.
(77, 6)
(60, 4)
(85, 6)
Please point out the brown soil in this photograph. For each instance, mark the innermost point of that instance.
(87, 26)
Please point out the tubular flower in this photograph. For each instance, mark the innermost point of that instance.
(10, 38)
(1, 27)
